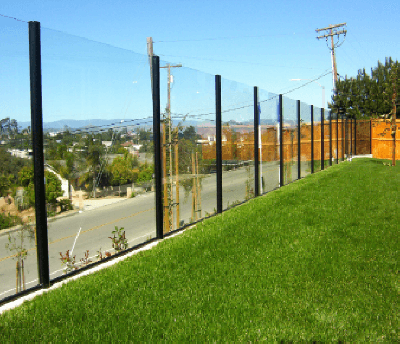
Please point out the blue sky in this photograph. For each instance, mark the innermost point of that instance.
(254, 43)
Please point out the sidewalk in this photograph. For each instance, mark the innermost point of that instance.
(88, 204)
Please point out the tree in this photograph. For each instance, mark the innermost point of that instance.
(145, 172)
(68, 171)
(52, 187)
(366, 96)
(11, 165)
(5, 183)
(92, 152)
(121, 171)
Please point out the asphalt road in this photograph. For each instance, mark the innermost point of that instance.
(135, 215)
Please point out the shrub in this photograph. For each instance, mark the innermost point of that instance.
(7, 221)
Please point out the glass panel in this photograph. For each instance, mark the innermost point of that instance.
(269, 157)
(290, 154)
(334, 130)
(17, 214)
(305, 143)
(317, 139)
(97, 108)
(190, 187)
(237, 142)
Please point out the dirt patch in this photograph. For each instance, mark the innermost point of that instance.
(8, 207)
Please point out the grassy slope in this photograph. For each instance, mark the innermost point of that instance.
(316, 260)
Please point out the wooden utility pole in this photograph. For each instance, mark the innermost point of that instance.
(168, 110)
(332, 30)
(150, 54)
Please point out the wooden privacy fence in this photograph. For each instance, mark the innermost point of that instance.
(382, 140)
(348, 137)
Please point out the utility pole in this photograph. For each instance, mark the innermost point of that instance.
(333, 30)
(169, 144)
(150, 54)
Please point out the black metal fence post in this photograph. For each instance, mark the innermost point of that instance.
(343, 137)
(218, 128)
(256, 145)
(337, 138)
(157, 145)
(312, 138)
(298, 141)
(35, 70)
(355, 136)
(330, 138)
(351, 137)
(322, 140)
(281, 182)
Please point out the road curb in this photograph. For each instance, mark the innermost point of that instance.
(51, 219)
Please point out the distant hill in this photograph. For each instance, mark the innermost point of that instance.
(73, 123)
(88, 123)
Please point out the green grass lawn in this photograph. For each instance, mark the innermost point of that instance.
(315, 261)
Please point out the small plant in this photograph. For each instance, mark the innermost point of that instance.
(211, 214)
(69, 261)
(100, 255)
(9, 221)
(234, 203)
(119, 243)
(51, 213)
(86, 260)
(28, 231)
(65, 204)
(133, 195)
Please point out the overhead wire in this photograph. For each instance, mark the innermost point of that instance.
(227, 38)
(20, 20)
(243, 62)
(261, 101)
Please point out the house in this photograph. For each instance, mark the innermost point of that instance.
(24, 154)
(108, 144)
(132, 147)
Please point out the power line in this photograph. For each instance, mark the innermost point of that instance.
(13, 18)
(227, 38)
(243, 62)
(261, 101)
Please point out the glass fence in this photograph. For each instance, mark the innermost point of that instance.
(98, 147)
(18, 262)
(270, 141)
(189, 145)
(290, 140)
(237, 142)
(305, 139)
(97, 110)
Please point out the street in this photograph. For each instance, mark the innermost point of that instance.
(135, 215)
